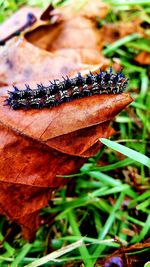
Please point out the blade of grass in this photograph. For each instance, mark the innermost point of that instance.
(104, 178)
(143, 205)
(120, 42)
(7, 246)
(139, 198)
(137, 156)
(113, 190)
(108, 224)
(25, 249)
(144, 84)
(56, 254)
(135, 221)
(129, 3)
(108, 242)
(143, 232)
(83, 250)
(119, 164)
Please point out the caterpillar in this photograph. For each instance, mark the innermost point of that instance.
(57, 92)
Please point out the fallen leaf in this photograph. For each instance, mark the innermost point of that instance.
(28, 176)
(65, 118)
(78, 34)
(89, 9)
(17, 20)
(73, 27)
(55, 49)
(23, 62)
(114, 31)
(38, 145)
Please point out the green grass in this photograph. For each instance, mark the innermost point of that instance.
(107, 204)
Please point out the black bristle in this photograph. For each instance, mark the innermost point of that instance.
(15, 88)
(104, 82)
(90, 79)
(40, 86)
(67, 82)
(80, 80)
(99, 76)
(14, 94)
(107, 76)
(27, 87)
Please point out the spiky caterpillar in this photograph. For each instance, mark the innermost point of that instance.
(63, 91)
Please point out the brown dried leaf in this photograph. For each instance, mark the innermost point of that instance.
(66, 118)
(38, 145)
(89, 9)
(74, 28)
(78, 34)
(76, 143)
(17, 20)
(54, 50)
(115, 31)
(23, 62)
(28, 176)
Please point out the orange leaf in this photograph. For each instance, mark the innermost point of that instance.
(45, 124)
(37, 145)
(28, 172)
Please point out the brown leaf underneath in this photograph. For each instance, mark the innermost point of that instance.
(54, 50)
(77, 34)
(113, 32)
(76, 143)
(17, 20)
(31, 146)
(25, 161)
(20, 61)
(89, 9)
(28, 176)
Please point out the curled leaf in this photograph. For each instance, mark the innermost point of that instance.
(45, 124)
